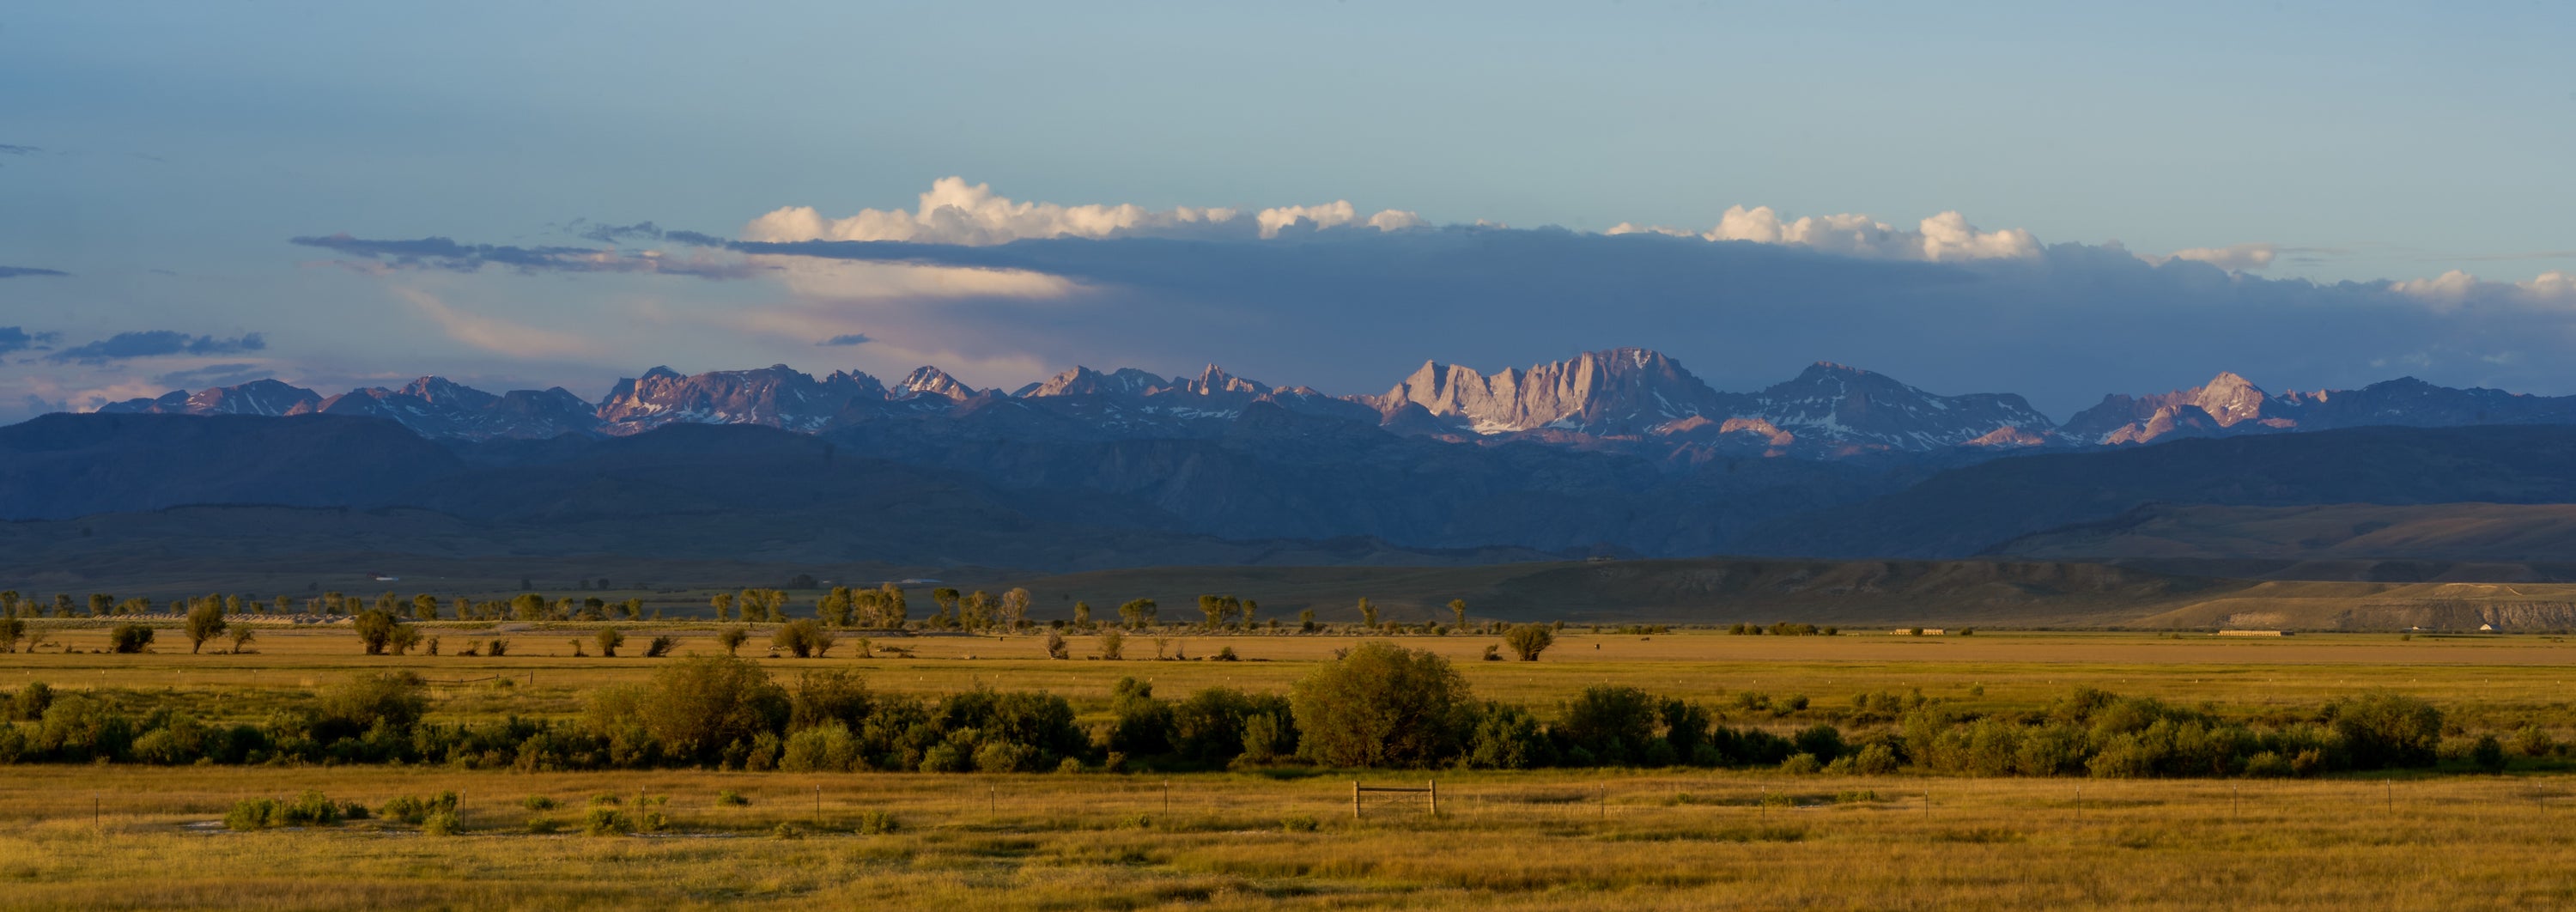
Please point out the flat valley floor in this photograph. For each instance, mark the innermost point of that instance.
(131, 836)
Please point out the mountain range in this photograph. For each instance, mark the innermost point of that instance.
(1628, 400)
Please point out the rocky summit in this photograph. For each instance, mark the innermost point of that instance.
(1623, 399)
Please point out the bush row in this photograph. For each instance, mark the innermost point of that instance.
(1379, 705)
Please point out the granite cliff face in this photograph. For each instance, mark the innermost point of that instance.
(1827, 410)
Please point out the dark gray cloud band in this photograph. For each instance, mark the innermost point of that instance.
(14, 272)
(446, 254)
(156, 343)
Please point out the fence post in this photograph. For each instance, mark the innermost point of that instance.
(1355, 799)
(1435, 797)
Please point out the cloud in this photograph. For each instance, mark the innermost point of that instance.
(12, 272)
(1943, 237)
(955, 212)
(495, 335)
(846, 339)
(227, 374)
(441, 253)
(2455, 289)
(610, 234)
(7, 149)
(17, 339)
(155, 343)
(2234, 257)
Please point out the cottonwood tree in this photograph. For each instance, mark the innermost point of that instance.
(1528, 640)
(1368, 613)
(205, 622)
(723, 603)
(1380, 705)
(1137, 613)
(946, 598)
(1082, 615)
(731, 638)
(1458, 611)
(609, 639)
(424, 607)
(1015, 608)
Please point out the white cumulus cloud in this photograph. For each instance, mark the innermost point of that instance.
(2233, 257)
(1944, 237)
(956, 212)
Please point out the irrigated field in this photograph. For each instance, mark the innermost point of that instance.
(133, 836)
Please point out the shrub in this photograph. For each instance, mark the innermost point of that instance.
(731, 798)
(538, 803)
(498, 648)
(731, 638)
(416, 810)
(308, 809)
(1056, 648)
(12, 630)
(1004, 757)
(29, 703)
(2488, 754)
(393, 699)
(604, 821)
(1528, 640)
(878, 822)
(2383, 730)
(442, 823)
(660, 646)
(402, 639)
(1224, 654)
(609, 639)
(1802, 764)
(1611, 723)
(1380, 705)
(1300, 823)
(1113, 645)
(129, 638)
(804, 638)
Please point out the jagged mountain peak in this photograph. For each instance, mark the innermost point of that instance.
(931, 381)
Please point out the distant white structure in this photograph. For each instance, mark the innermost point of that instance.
(2486, 628)
(2254, 633)
(384, 578)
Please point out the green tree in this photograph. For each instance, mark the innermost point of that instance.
(1082, 615)
(528, 606)
(1113, 645)
(1015, 608)
(242, 636)
(1528, 640)
(723, 602)
(205, 622)
(1368, 613)
(731, 638)
(1137, 613)
(1458, 612)
(609, 639)
(946, 598)
(375, 630)
(12, 630)
(893, 613)
(835, 606)
(425, 607)
(1380, 705)
(101, 604)
(697, 707)
(976, 611)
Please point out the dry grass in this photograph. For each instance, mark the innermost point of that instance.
(1549, 840)
(1624, 840)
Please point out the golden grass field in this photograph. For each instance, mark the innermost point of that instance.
(122, 836)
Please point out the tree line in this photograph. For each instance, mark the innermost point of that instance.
(1379, 705)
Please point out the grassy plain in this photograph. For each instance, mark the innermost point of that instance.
(121, 836)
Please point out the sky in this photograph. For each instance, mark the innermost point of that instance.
(2057, 200)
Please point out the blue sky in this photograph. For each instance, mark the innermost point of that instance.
(162, 156)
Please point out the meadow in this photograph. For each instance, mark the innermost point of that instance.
(123, 835)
